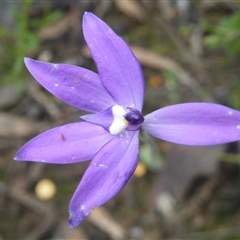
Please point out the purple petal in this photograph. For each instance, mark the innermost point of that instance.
(118, 68)
(194, 124)
(70, 143)
(107, 174)
(74, 85)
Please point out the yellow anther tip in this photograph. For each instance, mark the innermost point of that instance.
(126, 121)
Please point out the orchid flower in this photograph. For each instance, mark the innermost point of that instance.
(110, 134)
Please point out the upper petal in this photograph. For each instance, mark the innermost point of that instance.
(194, 124)
(107, 174)
(74, 85)
(70, 143)
(118, 68)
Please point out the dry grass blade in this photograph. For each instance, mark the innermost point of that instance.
(56, 30)
(51, 108)
(13, 126)
(102, 219)
(64, 232)
(132, 9)
(26, 199)
(9, 95)
(153, 60)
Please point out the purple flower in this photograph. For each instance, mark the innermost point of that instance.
(110, 134)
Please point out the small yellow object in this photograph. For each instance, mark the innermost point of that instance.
(126, 121)
(140, 170)
(45, 189)
(156, 81)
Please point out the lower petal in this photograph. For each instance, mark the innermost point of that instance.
(107, 174)
(194, 124)
(70, 143)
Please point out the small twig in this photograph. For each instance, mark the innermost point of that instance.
(57, 29)
(24, 198)
(15, 126)
(64, 232)
(107, 223)
(132, 9)
(220, 233)
(153, 60)
(34, 90)
(36, 206)
(150, 59)
(186, 53)
(193, 206)
(47, 222)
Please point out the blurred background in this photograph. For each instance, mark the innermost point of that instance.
(190, 51)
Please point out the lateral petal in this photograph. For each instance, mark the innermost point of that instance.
(76, 86)
(69, 143)
(103, 119)
(120, 71)
(107, 174)
(194, 124)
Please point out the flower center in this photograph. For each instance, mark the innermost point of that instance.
(116, 119)
(130, 119)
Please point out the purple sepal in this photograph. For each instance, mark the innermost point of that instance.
(106, 175)
(74, 85)
(70, 143)
(120, 71)
(194, 124)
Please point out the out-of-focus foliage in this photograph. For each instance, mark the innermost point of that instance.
(150, 155)
(172, 84)
(234, 96)
(225, 34)
(20, 40)
(222, 37)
